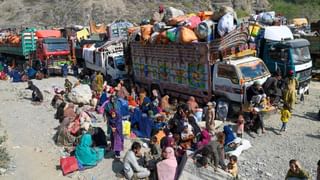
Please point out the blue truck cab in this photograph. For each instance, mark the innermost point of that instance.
(280, 51)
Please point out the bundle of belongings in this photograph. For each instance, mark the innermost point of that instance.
(173, 25)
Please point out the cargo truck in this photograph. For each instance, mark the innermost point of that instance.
(19, 52)
(280, 51)
(221, 70)
(38, 48)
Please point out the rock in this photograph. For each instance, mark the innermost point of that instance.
(37, 149)
(3, 171)
(268, 174)
(16, 147)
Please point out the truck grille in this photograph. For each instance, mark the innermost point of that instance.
(304, 75)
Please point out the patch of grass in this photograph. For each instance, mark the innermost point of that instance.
(242, 13)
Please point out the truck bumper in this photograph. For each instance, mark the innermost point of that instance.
(303, 87)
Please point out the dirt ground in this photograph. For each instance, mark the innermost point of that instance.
(34, 155)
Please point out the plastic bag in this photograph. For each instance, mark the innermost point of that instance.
(187, 35)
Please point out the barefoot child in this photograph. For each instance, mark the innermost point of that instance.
(240, 125)
(232, 166)
(285, 115)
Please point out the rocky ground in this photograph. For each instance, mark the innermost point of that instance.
(34, 155)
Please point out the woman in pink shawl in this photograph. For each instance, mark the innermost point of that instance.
(167, 167)
(192, 104)
(205, 138)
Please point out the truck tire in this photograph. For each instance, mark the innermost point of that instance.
(232, 110)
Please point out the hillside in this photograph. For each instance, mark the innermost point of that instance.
(16, 13)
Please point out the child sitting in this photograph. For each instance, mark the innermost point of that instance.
(240, 125)
(187, 137)
(232, 166)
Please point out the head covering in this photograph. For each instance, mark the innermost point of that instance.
(166, 168)
(229, 134)
(85, 154)
(165, 102)
(161, 8)
(291, 72)
(257, 83)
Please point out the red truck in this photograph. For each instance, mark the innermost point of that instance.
(52, 49)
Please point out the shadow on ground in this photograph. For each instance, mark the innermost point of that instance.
(313, 136)
(313, 116)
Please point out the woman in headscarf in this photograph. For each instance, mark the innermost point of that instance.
(86, 154)
(290, 94)
(167, 168)
(229, 136)
(165, 106)
(192, 104)
(205, 138)
(99, 82)
(115, 123)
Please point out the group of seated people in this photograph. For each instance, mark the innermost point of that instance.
(169, 139)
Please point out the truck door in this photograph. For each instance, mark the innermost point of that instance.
(110, 68)
(226, 82)
(278, 59)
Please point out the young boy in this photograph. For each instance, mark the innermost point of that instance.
(232, 166)
(285, 115)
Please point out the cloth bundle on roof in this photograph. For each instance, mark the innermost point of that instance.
(205, 30)
(172, 12)
(226, 24)
(97, 29)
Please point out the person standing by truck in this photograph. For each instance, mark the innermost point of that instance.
(290, 94)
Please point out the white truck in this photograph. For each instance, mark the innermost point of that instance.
(207, 71)
(106, 58)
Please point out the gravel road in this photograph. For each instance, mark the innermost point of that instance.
(34, 155)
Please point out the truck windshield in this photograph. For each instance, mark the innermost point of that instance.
(252, 70)
(120, 63)
(301, 55)
(53, 47)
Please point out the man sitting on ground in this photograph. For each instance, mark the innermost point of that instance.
(132, 169)
(36, 93)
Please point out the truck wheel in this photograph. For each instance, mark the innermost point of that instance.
(232, 109)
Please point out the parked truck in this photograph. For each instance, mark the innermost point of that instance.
(52, 49)
(19, 48)
(205, 70)
(37, 47)
(280, 51)
(314, 51)
(107, 58)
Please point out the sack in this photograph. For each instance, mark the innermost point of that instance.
(80, 94)
(171, 13)
(254, 30)
(193, 22)
(205, 15)
(154, 37)
(205, 30)
(101, 108)
(171, 34)
(146, 31)
(176, 20)
(160, 26)
(226, 24)
(68, 165)
(162, 38)
(126, 128)
(187, 35)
